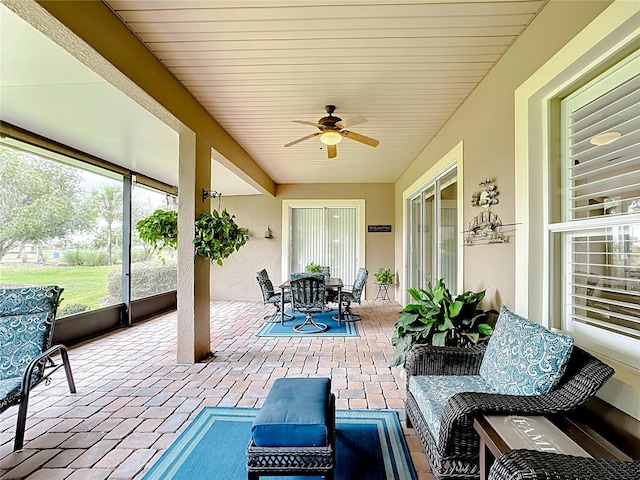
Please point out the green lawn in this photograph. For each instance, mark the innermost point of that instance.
(85, 285)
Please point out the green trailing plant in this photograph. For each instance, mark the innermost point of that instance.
(384, 275)
(159, 231)
(436, 318)
(218, 236)
(313, 268)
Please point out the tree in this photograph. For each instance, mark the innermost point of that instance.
(40, 199)
(108, 201)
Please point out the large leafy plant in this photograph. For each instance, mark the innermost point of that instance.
(436, 318)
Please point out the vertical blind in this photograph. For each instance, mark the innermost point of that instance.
(327, 236)
(601, 214)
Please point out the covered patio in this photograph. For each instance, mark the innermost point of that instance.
(133, 399)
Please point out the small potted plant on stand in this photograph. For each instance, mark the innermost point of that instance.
(384, 278)
(438, 319)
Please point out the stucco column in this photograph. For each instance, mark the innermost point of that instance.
(194, 174)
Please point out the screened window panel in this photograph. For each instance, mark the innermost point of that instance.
(601, 221)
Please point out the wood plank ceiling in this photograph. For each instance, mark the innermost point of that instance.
(256, 65)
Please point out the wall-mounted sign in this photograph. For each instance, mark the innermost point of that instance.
(379, 228)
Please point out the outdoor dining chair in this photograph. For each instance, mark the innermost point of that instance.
(269, 296)
(308, 297)
(353, 296)
(27, 317)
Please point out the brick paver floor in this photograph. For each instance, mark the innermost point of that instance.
(133, 399)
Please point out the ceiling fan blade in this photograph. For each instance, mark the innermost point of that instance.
(332, 151)
(303, 139)
(304, 122)
(361, 138)
(351, 121)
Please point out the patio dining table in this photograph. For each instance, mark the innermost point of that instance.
(331, 283)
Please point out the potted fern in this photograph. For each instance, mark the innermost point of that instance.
(437, 318)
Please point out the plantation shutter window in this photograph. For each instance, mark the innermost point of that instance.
(600, 225)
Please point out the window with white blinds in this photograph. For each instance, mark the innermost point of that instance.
(600, 225)
(327, 236)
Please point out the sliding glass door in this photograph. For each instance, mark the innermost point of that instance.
(327, 235)
(433, 233)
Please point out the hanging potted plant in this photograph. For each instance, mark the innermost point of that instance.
(436, 318)
(159, 231)
(217, 234)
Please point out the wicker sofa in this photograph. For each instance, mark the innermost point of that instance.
(454, 451)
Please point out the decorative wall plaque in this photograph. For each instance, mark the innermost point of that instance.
(486, 226)
(378, 228)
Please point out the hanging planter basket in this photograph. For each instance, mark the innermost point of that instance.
(217, 234)
(159, 231)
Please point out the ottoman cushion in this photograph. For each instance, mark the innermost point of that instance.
(294, 414)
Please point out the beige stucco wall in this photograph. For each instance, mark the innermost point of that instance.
(236, 278)
(485, 125)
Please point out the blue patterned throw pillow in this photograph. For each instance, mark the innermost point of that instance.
(523, 357)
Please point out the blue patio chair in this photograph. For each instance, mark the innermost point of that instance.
(27, 317)
(275, 299)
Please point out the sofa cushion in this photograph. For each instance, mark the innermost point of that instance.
(10, 390)
(432, 392)
(523, 357)
(294, 414)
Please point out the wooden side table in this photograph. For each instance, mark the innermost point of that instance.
(501, 434)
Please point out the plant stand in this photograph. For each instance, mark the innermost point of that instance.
(383, 292)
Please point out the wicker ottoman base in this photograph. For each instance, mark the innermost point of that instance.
(271, 461)
(290, 461)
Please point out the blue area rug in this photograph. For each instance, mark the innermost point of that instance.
(346, 329)
(369, 446)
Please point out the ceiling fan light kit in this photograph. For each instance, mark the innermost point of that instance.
(332, 129)
(330, 137)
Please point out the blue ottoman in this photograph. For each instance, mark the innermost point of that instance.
(294, 432)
